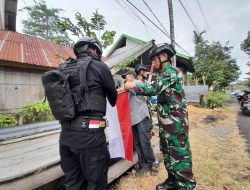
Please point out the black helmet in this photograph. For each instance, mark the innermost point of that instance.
(139, 67)
(162, 48)
(84, 43)
(128, 73)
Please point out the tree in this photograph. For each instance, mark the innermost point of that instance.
(245, 45)
(47, 23)
(83, 27)
(98, 22)
(213, 62)
(42, 22)
(247, 83)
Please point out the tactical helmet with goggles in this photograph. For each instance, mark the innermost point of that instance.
(156, 51)
(85, 43)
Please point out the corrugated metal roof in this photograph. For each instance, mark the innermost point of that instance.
(25, 49)
(135, 51)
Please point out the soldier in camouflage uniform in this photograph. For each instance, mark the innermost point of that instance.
(173, 119)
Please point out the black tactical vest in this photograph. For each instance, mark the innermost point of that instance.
(84, 99)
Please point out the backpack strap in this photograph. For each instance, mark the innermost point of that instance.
(83, 66)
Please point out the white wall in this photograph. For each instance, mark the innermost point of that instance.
(129, 44)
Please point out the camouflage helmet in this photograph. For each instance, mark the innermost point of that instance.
(162, 48)
(84, 43)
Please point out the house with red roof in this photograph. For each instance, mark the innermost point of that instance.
(23, 59)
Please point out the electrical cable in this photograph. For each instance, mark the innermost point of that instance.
(202, 12)
(157, 26)
(155, 17)
(186, 11)
(125, 9)
(138, 18)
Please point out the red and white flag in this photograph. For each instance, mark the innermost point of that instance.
(94, 124)
(119, 131)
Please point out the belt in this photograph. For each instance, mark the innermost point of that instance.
(85, 123)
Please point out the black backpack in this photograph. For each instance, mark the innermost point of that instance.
(63, 88)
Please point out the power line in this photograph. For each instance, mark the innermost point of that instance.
(125, 9)
(155, 16)
(133, 12)
(190, 10)
(157, 26)
(136, 17)
(145, 25)
(148, 18)
(202, 12)
(189, 16)
(155, 33)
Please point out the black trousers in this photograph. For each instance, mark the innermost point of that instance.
(85, 169)
(142, 137)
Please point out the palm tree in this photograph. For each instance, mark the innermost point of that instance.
(98, 21)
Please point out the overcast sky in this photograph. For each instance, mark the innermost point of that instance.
(228, 20)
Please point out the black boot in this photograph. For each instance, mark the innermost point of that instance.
(169, 184)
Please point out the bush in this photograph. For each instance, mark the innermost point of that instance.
(36, 112)
(7, 120)
(215, 99)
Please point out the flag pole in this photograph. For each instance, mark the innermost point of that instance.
(152, 66)
(151, 73)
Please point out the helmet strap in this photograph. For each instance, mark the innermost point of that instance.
(161, 62)
(145, 77)
(141, 73)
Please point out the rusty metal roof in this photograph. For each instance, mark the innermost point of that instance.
(25, 49)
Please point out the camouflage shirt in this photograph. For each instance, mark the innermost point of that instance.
(169, 88)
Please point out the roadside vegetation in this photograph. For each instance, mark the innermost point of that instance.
(7, 120)
(220, 160)
(36, 112)
(214, 99)
(31, 113)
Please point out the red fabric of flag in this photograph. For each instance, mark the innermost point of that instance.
(123, 109)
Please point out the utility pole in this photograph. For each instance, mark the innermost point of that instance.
(171, 19)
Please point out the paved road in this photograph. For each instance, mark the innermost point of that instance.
(242, 120)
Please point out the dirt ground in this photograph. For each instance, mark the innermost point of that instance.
(220, 159)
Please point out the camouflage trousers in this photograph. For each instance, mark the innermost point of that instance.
(175, 147)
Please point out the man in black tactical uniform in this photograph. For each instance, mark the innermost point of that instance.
(83, 150)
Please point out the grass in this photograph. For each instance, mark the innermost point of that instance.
(219, 157)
